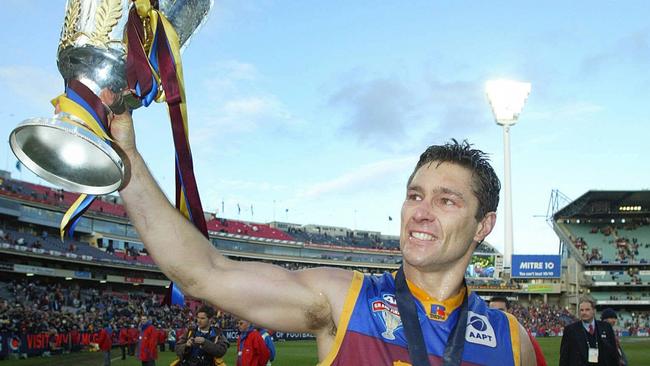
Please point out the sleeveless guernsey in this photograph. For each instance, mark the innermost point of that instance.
(370, 331)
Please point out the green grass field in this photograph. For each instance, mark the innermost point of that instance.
(303, 353)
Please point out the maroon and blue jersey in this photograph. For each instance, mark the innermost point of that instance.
(370, 330)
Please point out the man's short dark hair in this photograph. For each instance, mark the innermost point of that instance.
(486, 185)
(209, 312)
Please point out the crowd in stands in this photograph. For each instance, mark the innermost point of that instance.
(635, 321)
(57, 307)
(258, 230)
(627, 276)
(542, 319)
(44, 243)
(34, 307)
(624, 246)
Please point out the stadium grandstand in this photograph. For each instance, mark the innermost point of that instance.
(64, 291)
(605, 236)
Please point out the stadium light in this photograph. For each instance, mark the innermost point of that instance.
(507, 99)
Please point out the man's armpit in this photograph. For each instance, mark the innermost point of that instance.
(319, 317)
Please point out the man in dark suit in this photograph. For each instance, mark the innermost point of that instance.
(588, 341)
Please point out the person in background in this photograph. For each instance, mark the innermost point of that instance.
(588, 341)
(162, 337)
(105, 342)
(123, 339)
(268, 340)
(203, 345)
(502, 303)
(147, 352)
(133, 338)
(609, 315)
(171, 339)
(251, 349)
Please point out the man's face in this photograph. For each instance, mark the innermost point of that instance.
(438, 216)
(202, 320)
(586, 312)
(143, 319)
(242, 325)
(496, 304)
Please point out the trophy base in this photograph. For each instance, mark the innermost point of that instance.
(64, 153)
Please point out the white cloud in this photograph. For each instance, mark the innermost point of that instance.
(237, 103)
(366, 177)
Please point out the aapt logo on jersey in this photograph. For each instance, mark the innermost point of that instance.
(387, 308)
(479, 330)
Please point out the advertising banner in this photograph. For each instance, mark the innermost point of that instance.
(536, 266)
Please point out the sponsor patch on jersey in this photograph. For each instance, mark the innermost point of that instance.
(388, 313)
(438, 312)
(479, 330)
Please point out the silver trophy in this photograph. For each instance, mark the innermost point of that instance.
(91, 50)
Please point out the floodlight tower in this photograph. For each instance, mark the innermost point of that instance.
(507, 99)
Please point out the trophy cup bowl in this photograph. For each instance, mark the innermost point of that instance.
(91, 50)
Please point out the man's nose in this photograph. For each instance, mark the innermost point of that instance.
(424, 211)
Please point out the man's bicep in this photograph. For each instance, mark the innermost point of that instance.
(275, 297)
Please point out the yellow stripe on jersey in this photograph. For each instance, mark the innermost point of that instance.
(344, 320)
(514, 338)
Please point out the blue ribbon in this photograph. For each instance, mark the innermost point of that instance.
(177, 296)
(82, 102)
(78, 213)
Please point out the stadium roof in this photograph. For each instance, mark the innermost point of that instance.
(607, 203)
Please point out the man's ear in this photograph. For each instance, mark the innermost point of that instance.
(485, 226)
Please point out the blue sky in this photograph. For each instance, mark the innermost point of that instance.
(322, 108)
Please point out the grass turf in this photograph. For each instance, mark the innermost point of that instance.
(303, 353)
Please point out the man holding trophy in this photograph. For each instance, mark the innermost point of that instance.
(443, 221)
(423, 314)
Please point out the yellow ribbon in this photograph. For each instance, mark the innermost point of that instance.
(68, 214)
(89, 122)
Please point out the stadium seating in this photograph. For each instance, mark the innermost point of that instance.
(620, 295)
(611, 244)
(106, 205)
(250, 229)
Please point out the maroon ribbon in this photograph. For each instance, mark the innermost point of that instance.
(139, 71)
(93, 101)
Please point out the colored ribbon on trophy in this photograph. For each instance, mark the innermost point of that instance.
(154, 72)
(82, 103)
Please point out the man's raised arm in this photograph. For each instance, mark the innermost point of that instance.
(308, 300)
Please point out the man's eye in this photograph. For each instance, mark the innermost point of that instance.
(414, 197)
(447, 202)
